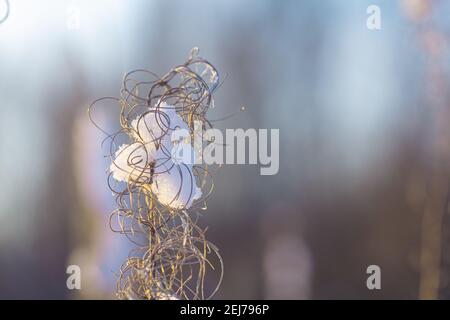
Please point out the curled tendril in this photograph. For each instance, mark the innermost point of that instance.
(6, 14)
(172, 254)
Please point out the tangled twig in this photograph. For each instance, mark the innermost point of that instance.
(157, 199)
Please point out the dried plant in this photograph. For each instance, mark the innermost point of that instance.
(6, 13)
(158, 199)
(435, 229)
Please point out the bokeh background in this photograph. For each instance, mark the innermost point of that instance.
(364, 142)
